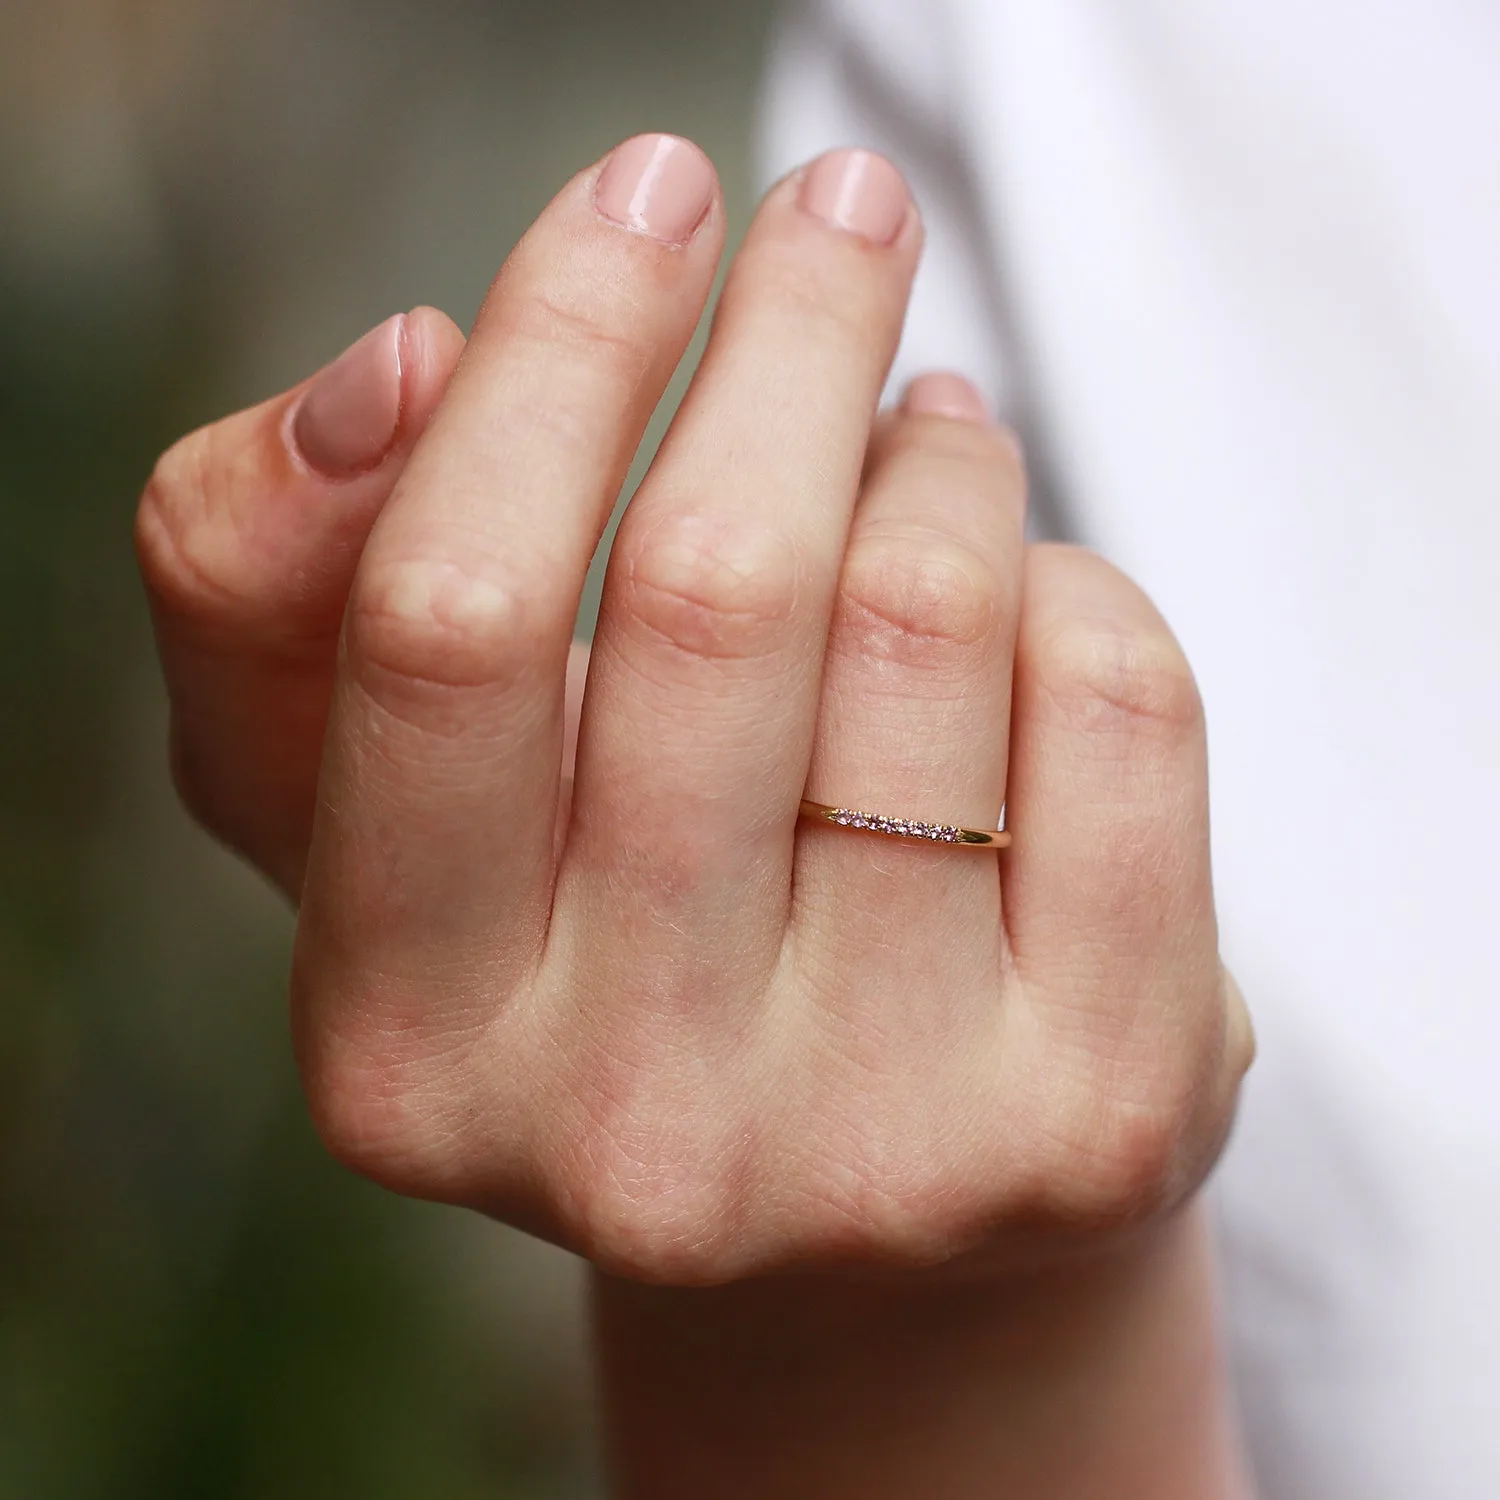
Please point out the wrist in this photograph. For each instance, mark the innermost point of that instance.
(1105, 1369)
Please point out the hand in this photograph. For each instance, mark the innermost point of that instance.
(704, 1040)
(693, 1039)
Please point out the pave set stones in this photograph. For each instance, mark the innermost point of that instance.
(908, 828)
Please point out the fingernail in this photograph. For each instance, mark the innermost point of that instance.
(660, 185)
(859, 192)
(944, 394)
(347, 420)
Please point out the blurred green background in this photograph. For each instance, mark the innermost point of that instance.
(200, 202)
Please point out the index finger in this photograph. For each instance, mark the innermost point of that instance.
(433, 849)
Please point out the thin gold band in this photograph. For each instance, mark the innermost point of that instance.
(906, 828)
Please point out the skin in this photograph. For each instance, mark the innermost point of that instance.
(885, 1153)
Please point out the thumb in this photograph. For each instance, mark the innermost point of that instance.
(248, 534)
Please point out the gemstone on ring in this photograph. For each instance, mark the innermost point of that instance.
(911, 828)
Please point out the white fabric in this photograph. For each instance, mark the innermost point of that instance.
(1235, 270)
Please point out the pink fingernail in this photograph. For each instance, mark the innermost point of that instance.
(347, 420)
(859, 192)
(660, 185)
(944, 394)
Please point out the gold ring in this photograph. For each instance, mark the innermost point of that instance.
(906, 828)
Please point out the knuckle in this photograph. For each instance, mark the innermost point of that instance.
(447, 624)
(586, 355)
(921, 601)
(1127, 1132)
(1101, 675)
(1120, 1167)
(816, 298)
(185, 538)
(650, 1243)
(885, 1186)
(924, 1217)
(712, 588)
(377, 1118)
(578, 331)
(656, 1182)
(656, 1217)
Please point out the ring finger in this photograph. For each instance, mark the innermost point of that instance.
(915, 714)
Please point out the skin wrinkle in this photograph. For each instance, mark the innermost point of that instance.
(780, 635)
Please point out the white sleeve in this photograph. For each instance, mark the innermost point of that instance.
(875, 73)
